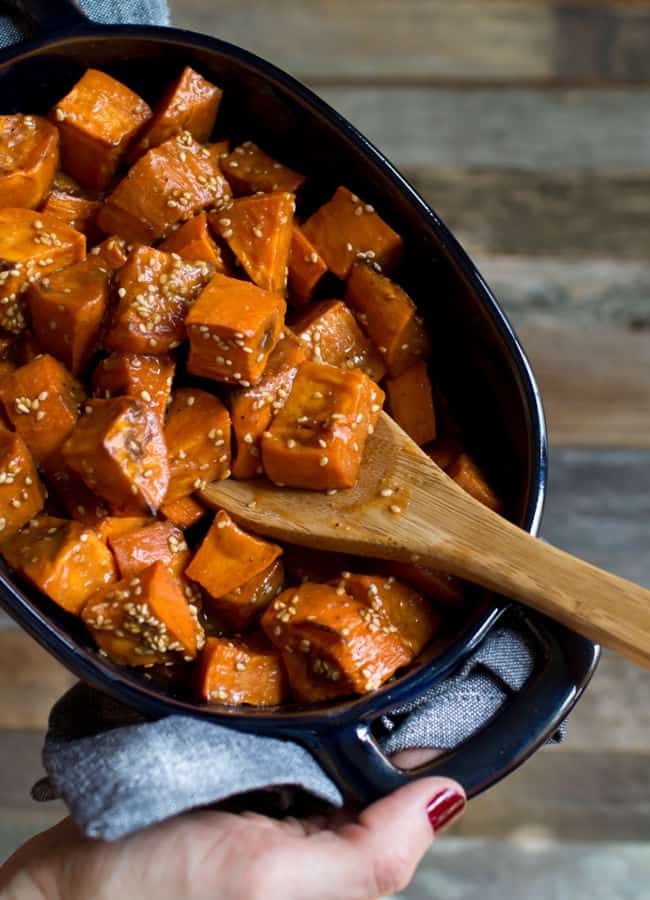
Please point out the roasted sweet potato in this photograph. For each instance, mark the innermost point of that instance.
(144, 619)
(197, 435)
(115, 526)
(445, 590)
(118, 449)
(469, 476)
(253, 408)
(346, 229)
(97, 120)
(42, 401)
(242, 607)
(29, 156)
(306, 268)
(317, 440)
(258, 231)
(74, 496)
(63, 559)
(26, 348)
(137, 550)
(169, 184)
(193, 241)
(333, 337)
(228, 557)
(70, 203)
(21, 493)
(155, 291)
(233, 328)
(147, 377)
(32, 245)
(190, 104)
(184, 512)
(113, 252)
(306, 564)
(241, 671)
(249, 170)
(410, 403)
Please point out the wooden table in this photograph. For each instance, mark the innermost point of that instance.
(526, 125)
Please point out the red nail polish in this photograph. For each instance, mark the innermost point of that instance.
(444, 807)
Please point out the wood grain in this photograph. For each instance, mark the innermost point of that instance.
(31, 680)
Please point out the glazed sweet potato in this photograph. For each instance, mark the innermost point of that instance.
(228, 557)
(242, 607)
(169, 184)
(70, 203)
(306, 268)
(144, 619)
(118, 449)
(72, 493)
(113, 252)
(306, 564)
(346, 229)
(410, 403)
(241, 671)
(233, 328)
(444, 590)
(445, 451)
(116, 526)
(197, 435)
(317, 440)
(193, 241)
(258, 231)
(139, 549)
(389, 317)
(29, 157)
(21, 493)
(249, 170)
(147, 377)
(65, 560)
(184, 512)
(42, 401)
(333, 337)
(97, 120)
(469, 476)
(155, 291)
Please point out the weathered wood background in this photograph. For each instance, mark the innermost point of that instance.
(526, 125)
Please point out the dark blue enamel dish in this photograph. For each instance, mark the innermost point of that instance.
(481, 366)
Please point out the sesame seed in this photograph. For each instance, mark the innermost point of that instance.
(394, 508)
(324, 460)
(387, 492)
(146, 396)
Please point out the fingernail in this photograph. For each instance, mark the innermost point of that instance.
(444, 807)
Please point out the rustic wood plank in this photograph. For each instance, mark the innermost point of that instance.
(30, 681)
(431, 40)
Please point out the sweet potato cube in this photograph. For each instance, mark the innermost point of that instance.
(147, 377)
(97, 120)
(32, 245)
(144, 619)
(306, 268)
(317, 440)
(346, 228)
(71, 491)
(344, 641)
(155, 291)
(307, 564)
(443, 589)
(137, 550)
(193, 241)
(21, 493)
(242, 607)
(42, 401)
(241, 671)
(115, 526)
(228, 557)
(389, 317)
(190, 104)
(249, 170)
(410, 403)
(197, 435)
(113, 252)
(333, 337)
(118, 449)
(258, 231)
(233, 328)
(65, 560)
(29, 156)
(469, 476)
(169, 184)
(253, 408)
(184, 512)
(70, 203)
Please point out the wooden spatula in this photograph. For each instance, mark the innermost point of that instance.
(405, 508)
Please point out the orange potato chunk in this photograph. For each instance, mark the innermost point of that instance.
(184, 512)
(97, 120)
(118, 449)
(21, 493)
(65, 560)
(306, 268)
(307, 564)
(233, 328)
(258, 231)
(241, 671)
(469, 476)
(249, 170)
(193, 241)
(242, 607)
(112, 252)
(147, 377)
(70, 203)
(42, 401)
(29, 156)
(410, 403)
(70, 490)
(333, 337)
(169, 184)
(317, 440)
(190, 103)
(443, 589)
(139, 549)
(155, 291)
(144, 619)
(197, 435)
(114, 526)
(346, 228)
(228, 557)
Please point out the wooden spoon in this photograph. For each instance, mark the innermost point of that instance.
(405, 508)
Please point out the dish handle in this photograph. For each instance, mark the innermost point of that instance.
(51, 15)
